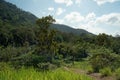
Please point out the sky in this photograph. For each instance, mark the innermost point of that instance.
(96, 16)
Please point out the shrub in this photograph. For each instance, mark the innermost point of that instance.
(90, 71)
(46, 66)
(106, 71)
(9, 53)
(117, 74)
(104, 58)
(4, 66)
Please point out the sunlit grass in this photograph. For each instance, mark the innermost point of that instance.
(83, 65)
(31, 74)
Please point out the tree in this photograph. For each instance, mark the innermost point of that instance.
(46, 43)
(103, 40)
(103, 58)
(116, 45)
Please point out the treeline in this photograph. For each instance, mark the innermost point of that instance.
(45, 48)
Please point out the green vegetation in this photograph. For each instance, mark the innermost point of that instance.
(32, 74)
(117, 73)
(106, 72)
(84, 65)
(24, 43)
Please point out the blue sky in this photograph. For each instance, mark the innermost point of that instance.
(96, 16)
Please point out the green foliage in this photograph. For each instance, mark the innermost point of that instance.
(45, 22)
(46, 43)
(90, 70)
(42, 47)
(106, 72)
(46, 66)
(16, 25)
(4, 66)
(80, 51)
(67, 29)
(32, 74)
(103, 58)
(22, 35)
(117, 73)
(9, 53)
(11, 15)
(83, 65)
(103, 40)
(115, 46)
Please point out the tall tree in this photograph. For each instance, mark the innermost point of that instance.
(46, 42)
(103, 40)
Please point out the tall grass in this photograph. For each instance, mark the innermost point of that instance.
(31, 74)
(83, 65)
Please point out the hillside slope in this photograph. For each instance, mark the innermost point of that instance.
(11, 15)
(68, 29)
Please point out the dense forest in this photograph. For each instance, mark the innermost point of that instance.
(26, 41)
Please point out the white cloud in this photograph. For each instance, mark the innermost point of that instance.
(109, 23)
(59, 21)
(100, 2)
(90, 16)
(60, 11)
(51, 9)
(67, 2)
(74, 17)
(110, 19)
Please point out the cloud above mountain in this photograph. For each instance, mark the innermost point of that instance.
(93, 23)
(100, 2)
(67, 2)
(96, 16)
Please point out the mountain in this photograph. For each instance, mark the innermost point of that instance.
(10, 15)
(68, 29)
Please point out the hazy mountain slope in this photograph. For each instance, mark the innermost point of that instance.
(68, 29)
(11, 15)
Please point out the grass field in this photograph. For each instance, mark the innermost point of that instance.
(31, 74)
(83, 65)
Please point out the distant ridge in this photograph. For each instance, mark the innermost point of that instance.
(12, 16)
(68, 29)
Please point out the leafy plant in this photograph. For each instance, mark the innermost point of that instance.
(106, 72)
(117, 73)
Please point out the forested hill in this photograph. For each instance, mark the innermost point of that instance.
(29, 45)
(11, 15)
(68, 29)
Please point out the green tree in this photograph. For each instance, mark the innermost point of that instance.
(102, 58)
(103, 40)
(46, 43)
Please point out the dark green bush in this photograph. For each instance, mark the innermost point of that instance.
(9, 53)
(106, 72)
(4, 66)
(117, 73)
(46, 66)
(104, 58)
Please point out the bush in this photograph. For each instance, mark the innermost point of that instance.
(58, 63)
(106, 71)
(90, 71)
(46, 66)
(9, 53)
(117, 74)
(104, 58)
(4, 66)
